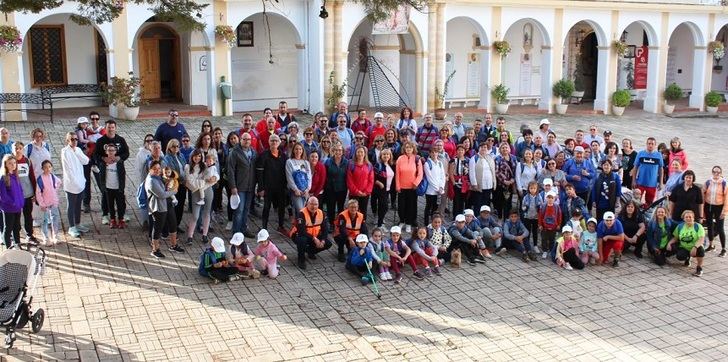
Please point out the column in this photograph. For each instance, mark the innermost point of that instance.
(485, 60)
(546, 79)
(328, 51)
(303, 77)
(606, 73)
(557, 52)
(121, 51)
(440, 40)
(222, 63)
(708, 73)
(655, 78)
(341, 50)
(11, 81)
(315, 61)
(702, 63)
(431, 55)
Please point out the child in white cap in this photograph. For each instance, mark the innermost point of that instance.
(361, 260)
(588, 247)
(567, 250)
(267, 255)
(214, 263)
(241, 256)
(549, 221)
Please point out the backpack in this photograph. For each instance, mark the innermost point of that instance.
(300, 178)
(39, 182)
(29, 149)
(141, 196)
(424, 184)
(201, 266)
(707, 184)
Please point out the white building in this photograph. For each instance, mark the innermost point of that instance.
(550, 40)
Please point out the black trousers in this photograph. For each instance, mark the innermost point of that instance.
(502, 201)
(28, 216)
(573, 260)
(278, 200)
(714, 223)
(160, 224)
(408, 206)
(87, 189)
(430, 207)
(222, 274)
(363, 204)
(637, 246)
(334, 204)
(305, 245)
(116, 203)
(104, 201)
(458, 201)
(341, 242)
(480, 198)
(532, 227)
(361, 270)
(468, 250)
(217, 197)
(380, 204)
(181, 198)
(10, 228)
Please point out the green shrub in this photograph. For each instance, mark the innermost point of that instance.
(500, 94)
(563, 89)
(673, 92)
(621, 98)
(713, 99)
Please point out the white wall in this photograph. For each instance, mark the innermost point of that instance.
(256, 82)
(511, 71)
(459, 43)
(719, 81)
(680, 58)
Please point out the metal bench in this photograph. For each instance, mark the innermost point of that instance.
(49, 95)
(26, 98)
(524, 100)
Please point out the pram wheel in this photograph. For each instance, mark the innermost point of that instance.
(37, 322)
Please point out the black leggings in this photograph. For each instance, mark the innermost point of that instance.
(458, 201)
(28, 216)
(573, 260)
(379, 198)
(714, 223)
(181, 198)
(277, 199)
(160, 222)
(363, 204)
(532, 227)
(430, 207)
(335, 203)
(222, 274)
(116, 203)
(502, 201)
(10, 227)
(407, 206)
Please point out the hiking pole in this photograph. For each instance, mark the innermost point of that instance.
(375, 288)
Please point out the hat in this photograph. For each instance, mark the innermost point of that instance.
(591, 219)
(262, 235)
(551, 193)
(543, 122)
(395, 230)
(548, 181)
(578, 149)
(608, 215)
(362, 238)
(237, 239)
(607, 133)
(234, 201)
(460, 218)
(378, 115)
(469, 212)
(82, 120)
(485, 208)
(566, 229)
(218, 245)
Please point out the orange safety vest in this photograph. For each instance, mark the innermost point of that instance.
(352, 230)
(312, 227)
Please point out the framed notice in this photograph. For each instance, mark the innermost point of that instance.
(640, 67)
(245, 34)
(472, 88)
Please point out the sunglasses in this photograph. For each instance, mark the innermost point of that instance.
(379, 141)
(308, 134)
(94, 118)
(74, 139)
(185, 141)
(174, 114)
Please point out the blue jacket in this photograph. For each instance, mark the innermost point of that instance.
(572, 168)
(359, 260)
(654, 233)
(576, 203)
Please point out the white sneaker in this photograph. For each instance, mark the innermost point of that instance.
(382, 276)
(229, 225)
(536, 249)
(389, 275)
(568, 267)
(544, 255)
(408, 229)
(502, 252)
(105, 220)
(201, 202)
(127, 218)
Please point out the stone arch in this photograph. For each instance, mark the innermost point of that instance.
(465, 54)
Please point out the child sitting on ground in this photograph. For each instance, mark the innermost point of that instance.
(588, 247)
(267, 255)
(439, 238)
(378, 249)
(424, 253)
(567, 250)
(361, 260)
(399, 253)
(214, 264)
(240, 256)
(46, 195)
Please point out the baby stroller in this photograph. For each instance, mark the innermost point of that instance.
(20, 267)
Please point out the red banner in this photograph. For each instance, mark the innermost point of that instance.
(640, 68)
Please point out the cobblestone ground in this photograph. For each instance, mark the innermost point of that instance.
(106, 299)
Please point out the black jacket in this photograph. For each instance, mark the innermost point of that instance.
(122, 149)
(120, 170)
(271, 172)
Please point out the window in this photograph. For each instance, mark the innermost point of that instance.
(47, 55)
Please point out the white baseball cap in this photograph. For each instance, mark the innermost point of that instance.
(234, 201)
(395, 230)
(263, 235)
(543, 121)
(460, 218)
(566, 229)
(591, 219)
(551, 193)
(82, 120)
(362, 238)
(469, 212)
(378, 114)
(218, 245)
(237, 239)
(548, 181)
(485, 208)
(608, 215)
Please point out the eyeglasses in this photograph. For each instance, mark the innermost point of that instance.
(183, 141)
(379, 141)
(174, 114)
(74, 139)
(716, 172)
(308, 134)
(94, 118)
(246, 139)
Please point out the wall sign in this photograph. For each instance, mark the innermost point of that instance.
(640, 67)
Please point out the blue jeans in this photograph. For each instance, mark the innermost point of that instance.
(74, 208)
(240, 217)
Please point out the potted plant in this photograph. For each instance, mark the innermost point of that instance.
(717, 50)
(713, 99)
(123, 96)
(672, 93)
(620, 100)
(440, 112)
(337, 93)
(226, 34)
(500, 96)
(502, 48)
(10, 40)
(620, 47)
(563, 89)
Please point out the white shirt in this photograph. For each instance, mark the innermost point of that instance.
(112, 177)
(435, 173)
(390, 177)
(72, 162)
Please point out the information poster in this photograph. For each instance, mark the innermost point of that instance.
(640, 67)
(524, 88)
(473, 84)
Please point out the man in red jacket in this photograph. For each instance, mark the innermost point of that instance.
(247, 127)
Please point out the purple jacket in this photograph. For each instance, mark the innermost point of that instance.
(11, 197)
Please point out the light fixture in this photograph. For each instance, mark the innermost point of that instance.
(323, 14)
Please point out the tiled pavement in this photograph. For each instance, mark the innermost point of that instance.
(107, 300)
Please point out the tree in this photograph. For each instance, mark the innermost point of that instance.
(382, 9)
(186, 13)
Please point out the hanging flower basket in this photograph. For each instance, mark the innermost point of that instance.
(621, 48)
(226, 34)
(10, 40)
(502, 47)
(717, 49)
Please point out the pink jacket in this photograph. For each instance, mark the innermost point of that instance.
(48, 196)
(680, 156)
(408, 173)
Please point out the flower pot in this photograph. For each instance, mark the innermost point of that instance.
(131, 113)
(668, 108)
(618, 111)
(440, 114)
(711, 110)
(561, 108)
(116, 111)
(501, 108)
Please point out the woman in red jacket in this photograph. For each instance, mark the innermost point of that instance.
(360, 179)
(318, 170)
(408, 174)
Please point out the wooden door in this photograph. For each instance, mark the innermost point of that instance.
(149, 68)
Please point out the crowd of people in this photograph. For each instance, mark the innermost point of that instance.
(575, 200)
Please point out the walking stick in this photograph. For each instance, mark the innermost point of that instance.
(375, 288)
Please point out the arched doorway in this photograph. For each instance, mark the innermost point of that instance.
(526, 69)
(719, 80)
(683, 65)
(637, 70)
(159, 63)
(581, 59)
(467, 59)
